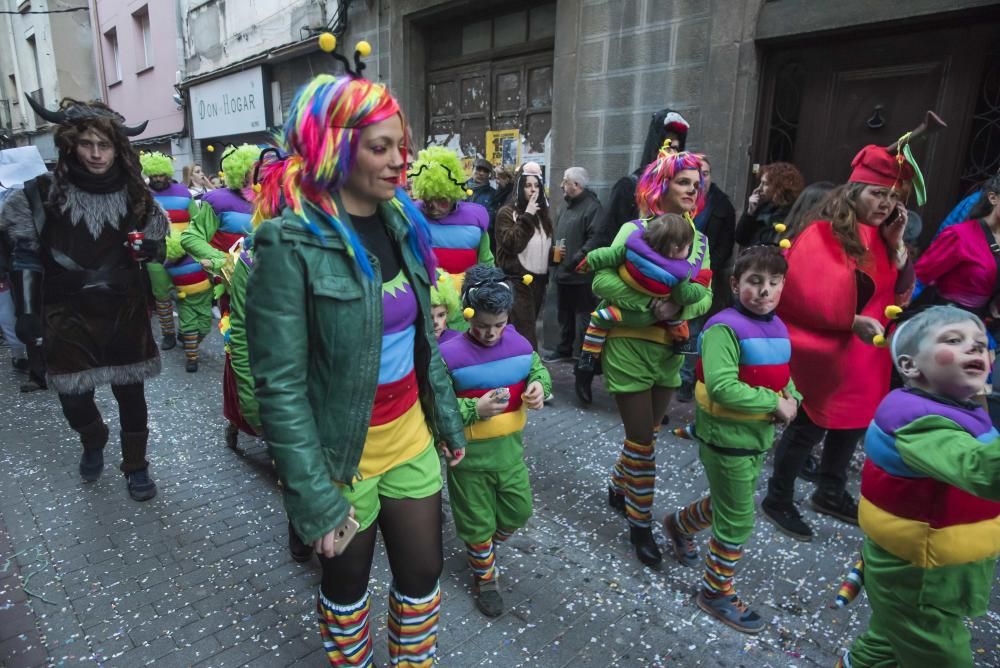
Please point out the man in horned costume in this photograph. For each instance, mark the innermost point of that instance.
(81, 237)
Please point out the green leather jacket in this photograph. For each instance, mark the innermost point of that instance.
(314, 331)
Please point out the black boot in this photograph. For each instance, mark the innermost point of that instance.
(140, 486)
(232, 441)
(93, 437)
(134, 465)
(584, 371)
(299, 550)
(168, 341)
(645, 545)
(191, 365)
(616, 500)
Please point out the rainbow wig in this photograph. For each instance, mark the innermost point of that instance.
(656, 178)
(438, 174)
(236, 164)
(319, 142)
(156, 164)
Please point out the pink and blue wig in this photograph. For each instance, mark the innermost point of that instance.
(319, 142)
(655, 181)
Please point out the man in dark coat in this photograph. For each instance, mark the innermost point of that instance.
(576, 235)
(80, 238)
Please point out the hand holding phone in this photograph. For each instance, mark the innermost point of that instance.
(335, 542)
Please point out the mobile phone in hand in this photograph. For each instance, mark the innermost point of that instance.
(344, 535)
(893, 215)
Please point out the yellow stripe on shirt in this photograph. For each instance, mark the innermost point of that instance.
(500, 425)
(715, 409)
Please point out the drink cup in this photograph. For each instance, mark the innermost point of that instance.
(133, 237)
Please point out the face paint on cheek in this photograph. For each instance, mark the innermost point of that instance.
(944, 357)
(747, 294)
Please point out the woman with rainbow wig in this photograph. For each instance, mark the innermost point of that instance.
(351, 388)
(641, 369)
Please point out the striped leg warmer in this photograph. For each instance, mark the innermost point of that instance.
(482, 560)
(594, 337)
(413, 626)
(696, 517)
(346, 633)
(638, 467)
(190, 340)
(720, 564)
(618, 475)
(165, 312)
(502, 534)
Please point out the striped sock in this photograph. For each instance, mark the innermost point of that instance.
(346, 633)
(190, 345)
(639, 477)
(618, 477)
(696, 517)
(482, 560)
(851, 586)
(165, 312)
(720, 564)
(594, 337)
(413, 626)
(501, 535)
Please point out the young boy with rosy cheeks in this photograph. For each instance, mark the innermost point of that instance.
(444, 306)
(496, 376)
(930, 497)
(743, 388)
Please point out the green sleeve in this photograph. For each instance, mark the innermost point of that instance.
(937, 447)
(688, 292)
(485, 254)
(720, 360)
(703, 305)
(540, 373)
(609, 286)
(467, 409)
(204, 225)
(791, 391)
(609, 257)
(238, 354)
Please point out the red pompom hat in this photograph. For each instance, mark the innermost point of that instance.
(876, 166)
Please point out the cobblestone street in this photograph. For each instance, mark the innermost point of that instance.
(201, 575)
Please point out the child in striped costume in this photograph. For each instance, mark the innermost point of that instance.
(743, 387)
(930, 498)
(653, 262)
(496, 375)
(444, 306)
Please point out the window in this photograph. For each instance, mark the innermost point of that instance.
(12, 81)
(112, 64)
(143, 39)
(36, 94)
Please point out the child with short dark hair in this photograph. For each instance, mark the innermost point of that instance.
(930, 497)
(496, 375)
(743, 387)
(654, 261)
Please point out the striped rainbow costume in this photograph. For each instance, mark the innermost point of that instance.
(489, 489)
(685, 282)
(459, 237)
(180, 273)
(931, 546)
(734, 437)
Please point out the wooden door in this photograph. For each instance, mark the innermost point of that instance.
(824, 101)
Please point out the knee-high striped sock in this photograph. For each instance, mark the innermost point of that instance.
(190, 340)
(501, 535)
(696, 517)
(413, 625)
(594, 337)
(346, 633)
(482, 560)
(165, 313)
(618, 475)
(720, 564)
(639, 475)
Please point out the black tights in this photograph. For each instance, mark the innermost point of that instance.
(411, 530)
(643, 411)
(81, 410)
(794, 448)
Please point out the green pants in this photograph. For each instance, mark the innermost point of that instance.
(732, 481)
(484, 501)
(194, 313)
(906, 634)
(635, 365)
(159, 281)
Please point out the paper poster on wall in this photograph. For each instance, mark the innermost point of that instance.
(503, 147)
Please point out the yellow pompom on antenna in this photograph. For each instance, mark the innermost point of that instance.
(363, 48)
(222, 175)
(328, 42)
(256, 187)
(468, 313)
(780, 228)
(210, 148)
(785, 244)
(878, 341)
(892, 311)
(527, 279)
(468, 192)
(182, 295)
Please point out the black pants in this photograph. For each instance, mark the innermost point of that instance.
(81, 412)
(794, 448)
(575, 303)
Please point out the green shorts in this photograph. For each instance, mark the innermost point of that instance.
(417, 478)
(635, 365)
(484, 501)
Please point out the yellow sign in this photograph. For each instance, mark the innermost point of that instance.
(503, 147)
